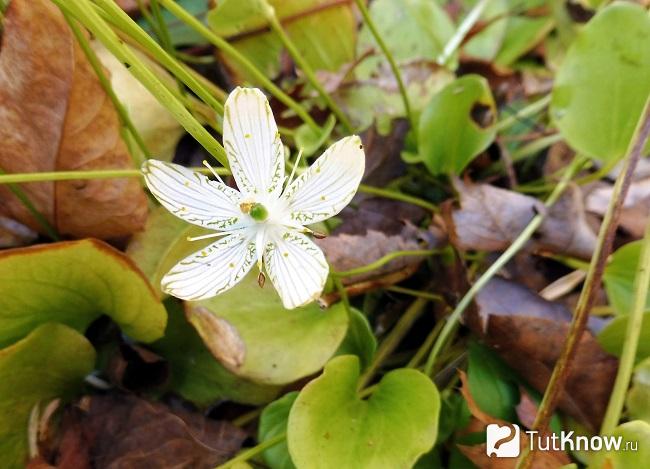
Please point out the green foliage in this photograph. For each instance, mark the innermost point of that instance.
(50, 362)
(273, 422)
(638, 397)
(74, 283)
(359, 340)
(330, 426)
(604, 81)
(634, 431)
(613, 335)
(457, 125)
(619, 277)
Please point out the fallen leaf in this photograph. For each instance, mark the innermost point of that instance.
(14, 234)
(124, 431)
(491, 218)
(57, 117)
(528, 332)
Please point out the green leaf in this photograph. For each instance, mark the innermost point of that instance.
(457, 125)
(324, 32)
(489, 383)
(522, 34)
(180, 33)
(273, 422)
(50, 362)
(604, 81)
(251, 333)
(196, 374)
(613, 335)
(309, 141)
(359, 340)
(74, 283)
(635, 432)
(486, 44)
(330, 426)
(619, 277)
(638, 397)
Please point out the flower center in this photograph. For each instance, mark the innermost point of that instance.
(257, 211)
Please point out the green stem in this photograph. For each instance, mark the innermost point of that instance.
(527, 111)
(391, 61)
(254, 451)
(388, 194)
(522, 239)
(108, 89)
(81, 175)
(462, 30)
(382, 261)
(393, 339)
(425, 346)
(631, 342)
(233, 53)
(86, 15)
(111, 12)
(305, 67)
(415, 293)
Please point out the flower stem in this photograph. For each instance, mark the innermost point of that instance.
(415, 293)
(388, 194)
(305, 67)
(81, 175)
(527, 111)
(382, 261)
(462, 30)
(391, 61)
(522, 239)
(85, 13)
(628, 354)
(108, 89)
(254, 451)
(229, 50)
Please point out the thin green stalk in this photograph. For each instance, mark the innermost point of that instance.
(38, 216)
(81, 175)
(462, 30)
(388, 194)
(106, 85)
(340, 288)
(305, 67)
(631, 342)
(415, 293)
(393, 339)
(522, 239)
(84, 12)
(233, 53)
(391, 61)
(425, 346)
(527, 111)
(382, 261)
(163, 32)
(116, 16)
(254, 451)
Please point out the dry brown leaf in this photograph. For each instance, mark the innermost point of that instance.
(14, 234)
(131, 6)
(478, 455)
(56, 117)
(528, 332)
(126, 432)
(490, 219)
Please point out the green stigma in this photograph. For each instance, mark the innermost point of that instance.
(258, 212)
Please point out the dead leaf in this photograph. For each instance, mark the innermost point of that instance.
(478, 455)
(528, 332)
(490, 219)
(131, 6)
(57, 117)
(135, 368)
(124, 431)
(526, 409)
(14, 234)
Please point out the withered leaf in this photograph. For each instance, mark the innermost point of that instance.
(55, 116)
(528, 332)
(14, 234)
(126, 432)
(491, 218)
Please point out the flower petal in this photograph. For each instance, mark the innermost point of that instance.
(214, 269)
(329, 184)
(193, 197)
(252, 142)
(297, 268)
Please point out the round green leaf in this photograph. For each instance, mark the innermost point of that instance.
(331, 427)
(273, 422)
(74, 283)
(604, 81)
(635, 432)
(359, 340)
(457, 125)
(50, 362)
(638, 397)
(613, 335)
(619, 277)
(252, 335)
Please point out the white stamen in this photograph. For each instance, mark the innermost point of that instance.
(207, 165)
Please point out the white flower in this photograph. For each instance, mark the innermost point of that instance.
(261, 223)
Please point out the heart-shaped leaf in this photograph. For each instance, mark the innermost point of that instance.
(359, 340)
(251, 333)
(50, 362)
(331, 427)
(635, 433)
(614, 335)
(619, 277)
(604, 81)
(74, 283)
(457, 125)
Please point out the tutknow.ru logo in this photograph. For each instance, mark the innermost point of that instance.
(503, 441)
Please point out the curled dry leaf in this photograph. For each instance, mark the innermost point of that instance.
(528, 332)
(124, 431)
(14, 234)
(490, 218)
(478, 455)
(55, 117)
